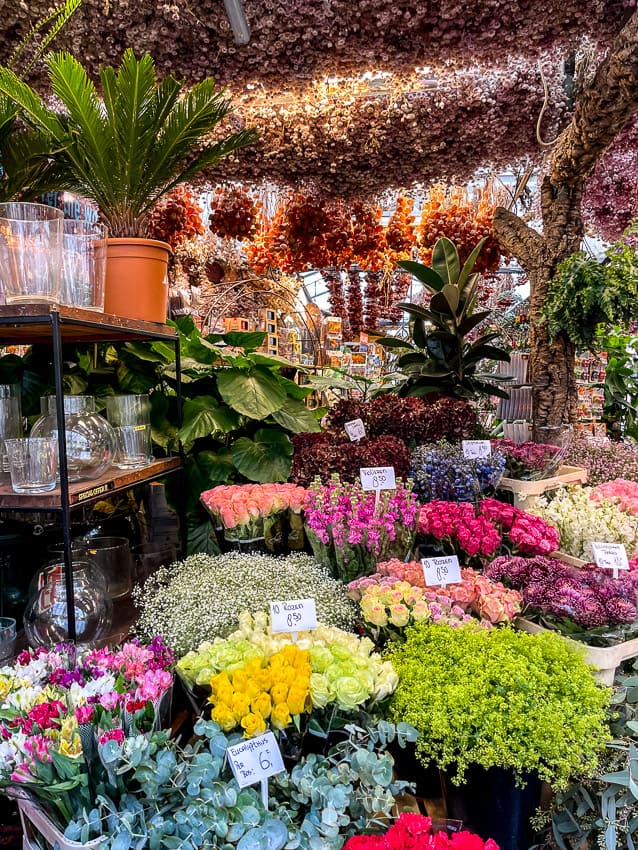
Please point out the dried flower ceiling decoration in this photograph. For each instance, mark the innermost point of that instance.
(294, 41)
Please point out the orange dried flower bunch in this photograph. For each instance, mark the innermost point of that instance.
(369, 245)
(400, 233)
(176, 217)
(465, 221)
(233, 213)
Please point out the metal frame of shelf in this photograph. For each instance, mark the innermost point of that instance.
(30, 323)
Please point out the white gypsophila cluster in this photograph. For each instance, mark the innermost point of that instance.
(581, 520)
(201, 598)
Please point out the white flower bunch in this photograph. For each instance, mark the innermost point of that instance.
(202, 597)
(581, 520)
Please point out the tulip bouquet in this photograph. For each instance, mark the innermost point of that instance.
(414, 832)
(64, 715)
(249, 512)
(327, 668)
(350, 530)
(457, 528)
(581, 519)
(396, 597)
(570, 599)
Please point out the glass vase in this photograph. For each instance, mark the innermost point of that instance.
(90, 440)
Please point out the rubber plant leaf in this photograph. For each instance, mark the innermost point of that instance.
(445, 260)
(427, 276)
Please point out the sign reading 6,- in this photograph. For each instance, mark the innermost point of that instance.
(255, 759)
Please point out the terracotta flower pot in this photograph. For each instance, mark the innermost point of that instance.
(136, 279)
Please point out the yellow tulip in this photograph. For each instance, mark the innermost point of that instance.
(280, 716)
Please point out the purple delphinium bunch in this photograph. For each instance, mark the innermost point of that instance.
(525, 460)
(603, 459)
(589, 596)
(442, 472)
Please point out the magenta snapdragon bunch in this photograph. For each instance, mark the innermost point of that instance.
(351, 529)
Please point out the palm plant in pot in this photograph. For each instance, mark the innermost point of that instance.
(125, 150)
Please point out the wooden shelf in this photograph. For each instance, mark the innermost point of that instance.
(85, 492)
(22, 324)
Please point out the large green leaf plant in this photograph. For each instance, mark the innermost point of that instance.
(439, 357)
(239, 409)
(131, 145)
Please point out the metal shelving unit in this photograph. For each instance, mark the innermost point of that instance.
(24, 324)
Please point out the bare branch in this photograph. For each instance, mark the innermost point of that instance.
(517, 237)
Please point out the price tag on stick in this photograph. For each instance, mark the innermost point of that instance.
(254, 761)
(355, 430)
(610, 556)
(476, 448)
(377, 478)
(441, 571)
(294, 615)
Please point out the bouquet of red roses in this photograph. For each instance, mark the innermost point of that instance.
(414, 832)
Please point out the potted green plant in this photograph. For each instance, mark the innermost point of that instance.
(125, 150)
(496, 709)
(439, 357)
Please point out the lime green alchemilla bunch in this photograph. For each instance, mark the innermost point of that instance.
(500, 698)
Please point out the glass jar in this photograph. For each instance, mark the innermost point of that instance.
(84, 566)
(90, 440)
(45, 618)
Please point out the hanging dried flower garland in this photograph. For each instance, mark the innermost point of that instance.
(234, 212)
(176, 217)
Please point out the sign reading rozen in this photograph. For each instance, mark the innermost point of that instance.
(255, 760)
(294, 615)
(377, 478)
(440, 571)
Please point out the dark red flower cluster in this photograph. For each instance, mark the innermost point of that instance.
(323, 457)
(414, 832)
(414, 420)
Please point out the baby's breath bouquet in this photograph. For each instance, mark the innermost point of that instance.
(202, 597)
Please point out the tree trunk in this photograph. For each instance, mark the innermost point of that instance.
(604, 108)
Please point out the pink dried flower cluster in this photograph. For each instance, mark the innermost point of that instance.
(589, 596)
(488, 600)
(604, 460)
(619, 491)
(457, 526)
(239, 504)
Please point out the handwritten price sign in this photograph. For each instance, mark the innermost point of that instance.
(441, 571)
(476, 448)
(255, 760)
(296, 615)
(355, 429)
(377, 478)
(610, 556)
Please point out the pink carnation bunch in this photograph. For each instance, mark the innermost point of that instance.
(412, 831)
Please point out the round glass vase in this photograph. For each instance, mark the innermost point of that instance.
(90, 439)
(46, 618)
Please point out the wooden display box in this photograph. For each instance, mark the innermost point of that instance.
(527, 492)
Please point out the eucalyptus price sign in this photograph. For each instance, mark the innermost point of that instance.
(254, 761)
(441, 571)
(355, 429)
(294, 615)
(610, 556)
(476, 449)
